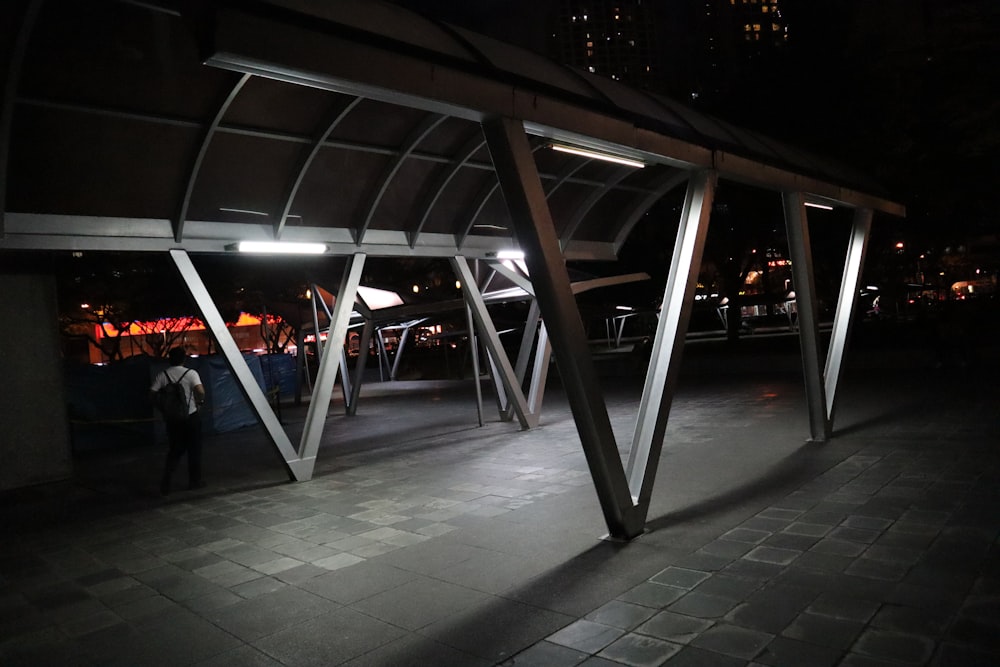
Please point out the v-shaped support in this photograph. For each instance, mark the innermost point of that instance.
(624, 509)
(822, 381)
(301, 462)
(486, 329)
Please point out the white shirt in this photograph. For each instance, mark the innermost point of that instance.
(190, 380)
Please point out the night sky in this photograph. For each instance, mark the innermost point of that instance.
(900, 89)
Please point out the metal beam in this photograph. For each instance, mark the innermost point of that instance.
(206, 140)
(668, 345)
(319, 403)
(844, 318)
(644, 202)
(590, 202)
(293, 188)
(536, 237)
(12, 81)
(491, 338)
(297, 469)
(359, 366)
(411, 143)
(474, 353)
(797, 226)
(472, 146)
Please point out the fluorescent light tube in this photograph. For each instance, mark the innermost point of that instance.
(607, 157)
(281, 248)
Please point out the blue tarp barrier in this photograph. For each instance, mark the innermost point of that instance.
(279, 371)
(109, 405)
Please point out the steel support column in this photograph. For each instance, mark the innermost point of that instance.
(319, 403)
(797, 227)
(668, 345)
(400, 346)
(498, 355)
(297, 469)
(359, 367)
(474, 353)
(345, 378)
(535, 233)
(844, 318)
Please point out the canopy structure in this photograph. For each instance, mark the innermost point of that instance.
(372, 131)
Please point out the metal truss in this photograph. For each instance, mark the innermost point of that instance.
(298, 462)
(822, 380)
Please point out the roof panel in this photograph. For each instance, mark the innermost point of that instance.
(402, 195)
(300, 110)
(245, 174)
(119, 56)
(458, 200)
(378, 124)
(81, 168)
(335, 187)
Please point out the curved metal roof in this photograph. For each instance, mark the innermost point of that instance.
(138, 126)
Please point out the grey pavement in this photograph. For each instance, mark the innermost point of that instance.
(426, 540)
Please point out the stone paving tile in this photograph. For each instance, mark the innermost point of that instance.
(839, 606)
(546, 654)
(680, 577)
(649, 594)
(786, 652)
(677, 628)
(748, 535)
(734, 588)
(586, 636)
(894, 646)
(824, 630)
(772, 609)
(772, 555)
(703, 606)
(639, 651)
(733, 640)
(689, 656)
(619, 614)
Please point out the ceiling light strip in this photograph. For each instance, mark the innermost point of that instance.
(597, 155)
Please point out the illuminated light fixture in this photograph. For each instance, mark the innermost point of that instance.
(812, 204)
(597, 155)
(510, 254)
(278, 247)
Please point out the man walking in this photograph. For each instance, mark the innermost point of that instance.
(182, 420)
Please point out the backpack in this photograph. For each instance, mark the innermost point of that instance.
(171, 400)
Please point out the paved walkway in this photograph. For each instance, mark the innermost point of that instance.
(424, 540)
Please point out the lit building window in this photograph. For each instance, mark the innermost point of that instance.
(765, 9)
(756, 27)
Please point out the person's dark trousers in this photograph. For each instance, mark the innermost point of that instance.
(184, 437)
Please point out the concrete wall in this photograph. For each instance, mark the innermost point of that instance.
(34, 432)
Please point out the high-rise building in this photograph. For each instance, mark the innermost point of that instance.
(612, 38)
(736, 41)
(701, 50)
